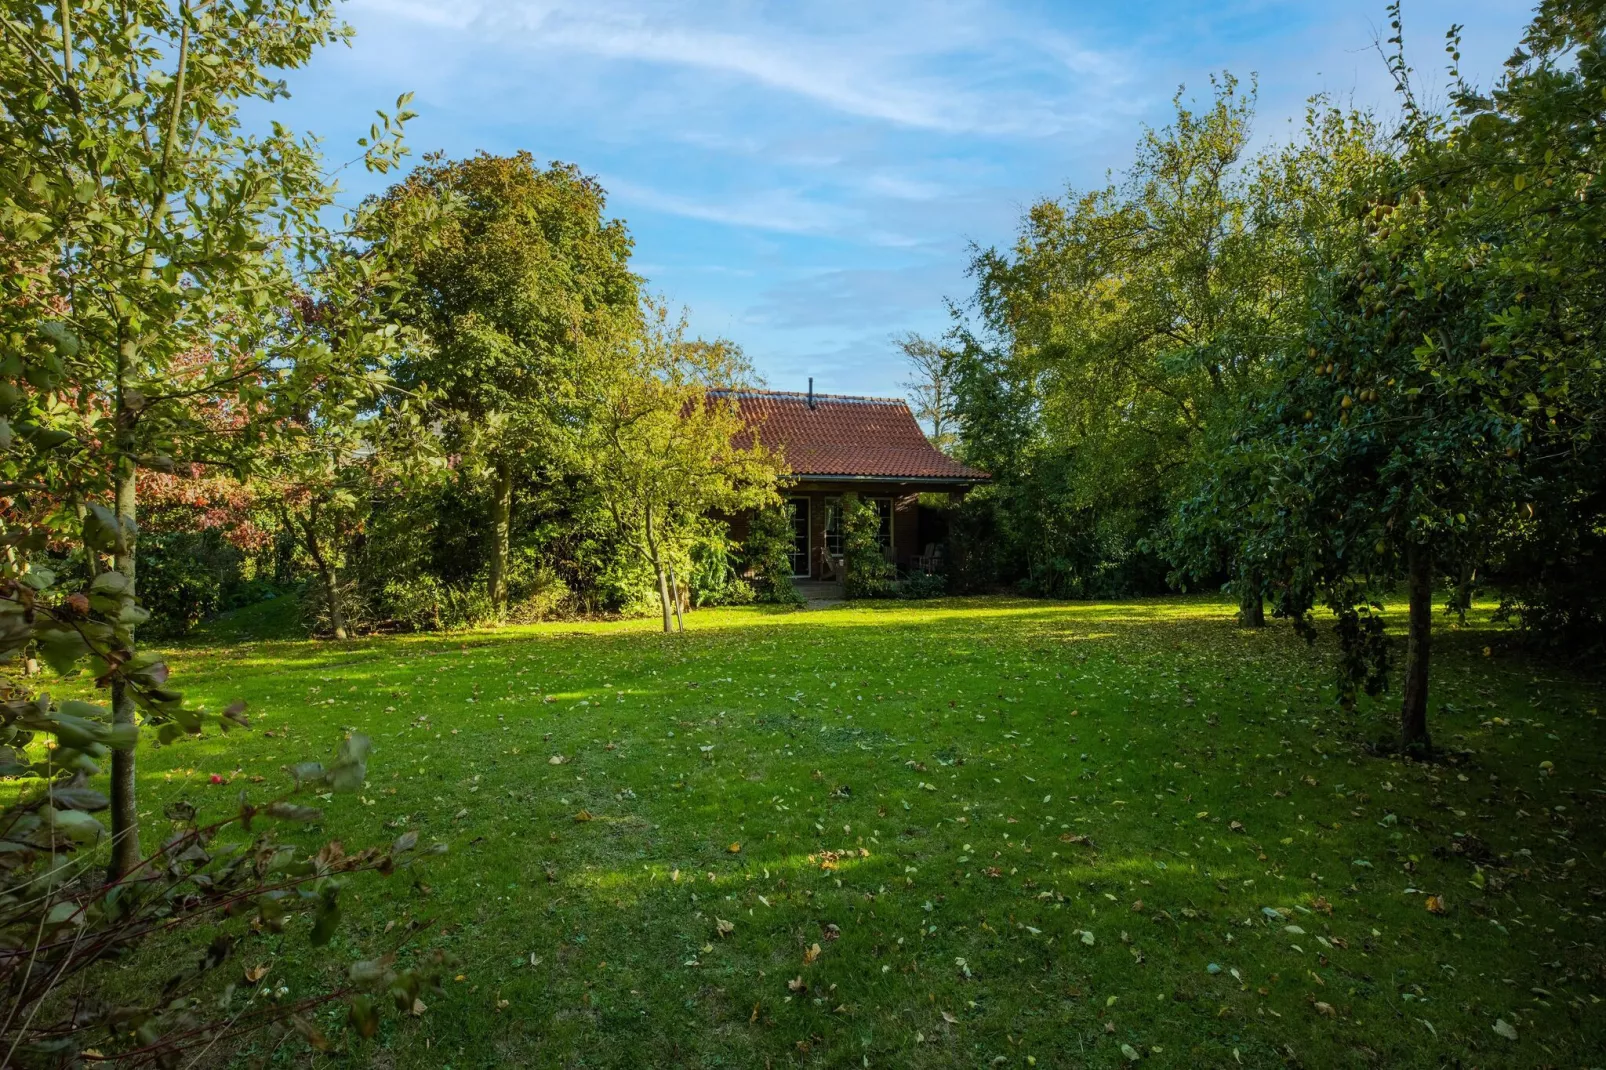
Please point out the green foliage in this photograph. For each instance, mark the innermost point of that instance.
(200, 883)
(654, 436)
(1116, 343)
(154, 255)
(714, 575)
(520, 284)
(921, 585)
(767, 555)
(1443, 414)
(869, 572)
(187, 577)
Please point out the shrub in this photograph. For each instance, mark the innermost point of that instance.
(869, 573)
(713, 576)
(768, 554)
(923, 585)
(538, 594)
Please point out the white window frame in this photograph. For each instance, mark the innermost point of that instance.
(808, 535)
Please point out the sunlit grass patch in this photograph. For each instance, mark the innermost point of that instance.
(1014, 830)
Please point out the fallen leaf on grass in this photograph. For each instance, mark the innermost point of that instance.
(797, 984)
(723, 927)
(556, 759)
(734, 848)
(583, 815)
(1325, 1009)
(950, 1019)
(1505, 1029)
(1130, 1052)
(811, 954)
(256, 973)
(1435, 904)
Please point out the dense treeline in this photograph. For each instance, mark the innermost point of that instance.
(1370, 357)
(487, 460)
(1354, 362)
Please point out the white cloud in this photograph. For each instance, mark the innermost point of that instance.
(929, 66)
(782, 210)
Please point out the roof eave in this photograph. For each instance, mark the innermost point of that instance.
(838, 478)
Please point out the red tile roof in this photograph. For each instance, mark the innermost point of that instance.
(847, 436)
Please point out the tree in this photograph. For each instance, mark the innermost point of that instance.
(657, 437)
(1119, 335)
(343, 432)
(1450, 379)
(520, 280)
(930, 388)
(157, 227)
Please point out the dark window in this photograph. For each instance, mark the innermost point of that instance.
(833, 527)
(799, 508)
(883, 506)
(833, 524)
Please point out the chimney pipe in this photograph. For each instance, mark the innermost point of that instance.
(811, 391)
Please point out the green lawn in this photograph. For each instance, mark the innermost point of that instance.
(1075, 834)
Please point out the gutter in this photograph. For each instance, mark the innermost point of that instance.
(802, 476)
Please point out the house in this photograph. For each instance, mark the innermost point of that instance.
(834, 444)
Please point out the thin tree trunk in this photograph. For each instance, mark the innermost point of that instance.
(337, 612)
(663, 595)
(674, 590)
(124, 812)
(657, 561)
(1414, 707)
(326, 573)
(501, 522)
(124, 808)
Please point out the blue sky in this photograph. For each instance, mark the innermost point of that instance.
(806, 177)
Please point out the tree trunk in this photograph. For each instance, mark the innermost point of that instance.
(1414, 707)
(674, 590)
(1251, 607)
(124, 812)
(501, 522)
(663, 595)
(657, 561)
(124, 809)
(337, 612)
(326, 573)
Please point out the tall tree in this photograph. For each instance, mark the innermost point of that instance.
(1126, 321)
(343, 432)
(164, 227)
(1450, 384)
(657, 434)
(521, 278)
(930, 388)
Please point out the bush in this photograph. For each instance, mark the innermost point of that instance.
(314, 607)
(923, 585)
(869, 573)
(71, 932)
(191, 577)
(713, 577)
(425, 604)
(768, 555)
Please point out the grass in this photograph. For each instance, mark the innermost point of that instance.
(1075, 834)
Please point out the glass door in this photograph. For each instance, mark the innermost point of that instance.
(799, 508)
